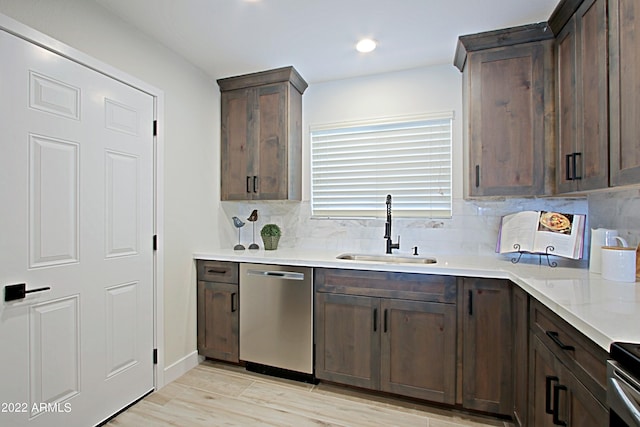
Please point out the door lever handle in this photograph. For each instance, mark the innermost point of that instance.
(19, 291)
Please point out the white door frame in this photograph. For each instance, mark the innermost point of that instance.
(33, 36)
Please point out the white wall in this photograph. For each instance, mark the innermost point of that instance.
(424, 90)
(191, 126)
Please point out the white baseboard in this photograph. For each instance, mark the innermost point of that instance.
(181, 367)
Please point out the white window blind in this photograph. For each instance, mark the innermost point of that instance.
(355, 165)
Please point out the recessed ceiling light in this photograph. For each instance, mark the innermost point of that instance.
(366, 45)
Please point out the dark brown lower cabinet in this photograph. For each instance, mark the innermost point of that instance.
(520, 328)
(347, 339)
(399, 346)
(218, 316)
(487, 354)
(557, 397)
(418, 349)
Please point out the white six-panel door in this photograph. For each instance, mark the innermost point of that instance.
(76, 215)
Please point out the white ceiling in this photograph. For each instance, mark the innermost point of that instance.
(318, 37)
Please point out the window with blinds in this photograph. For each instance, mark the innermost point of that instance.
(355, 165)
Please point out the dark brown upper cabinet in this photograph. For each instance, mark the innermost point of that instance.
(624, 89)
(509, 111)
(261, 135)
(597, 47)
(582, 100)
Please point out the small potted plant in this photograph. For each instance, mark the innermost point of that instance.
(270, 236)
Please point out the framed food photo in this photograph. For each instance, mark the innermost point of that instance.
(555, 222)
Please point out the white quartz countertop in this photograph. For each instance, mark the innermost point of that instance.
(604, 311)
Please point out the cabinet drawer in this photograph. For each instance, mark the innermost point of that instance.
(585, 359)
(218, 271)
(408, 286)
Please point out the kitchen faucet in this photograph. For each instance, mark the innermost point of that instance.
(387, 229)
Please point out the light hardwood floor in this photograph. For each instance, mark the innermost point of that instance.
(216, 394)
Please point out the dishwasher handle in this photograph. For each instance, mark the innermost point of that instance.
(288, 275)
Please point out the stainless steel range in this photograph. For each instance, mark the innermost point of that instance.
(623, 385)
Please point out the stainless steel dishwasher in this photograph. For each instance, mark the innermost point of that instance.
(276, 320)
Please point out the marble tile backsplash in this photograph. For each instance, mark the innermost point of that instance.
(472, 230)
(619, 210)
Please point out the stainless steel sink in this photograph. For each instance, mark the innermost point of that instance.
(392, 259)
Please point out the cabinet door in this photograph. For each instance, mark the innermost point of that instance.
(269, 124)
(593, 101)
(509, 91)
(418, 356)
(582, 408)
(348, 339)
(237, 166)
(218, 336)
(543, 377)
(624, 81)
(520, 331)
(487, 356)
(559, 398)
(582, 100)
(567, 105)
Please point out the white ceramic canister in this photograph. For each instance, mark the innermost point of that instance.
(600, 237)
(619, 263)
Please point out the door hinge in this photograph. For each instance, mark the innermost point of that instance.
(155, 242)
(155, 356)
(155, 128)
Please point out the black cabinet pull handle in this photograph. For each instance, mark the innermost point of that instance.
(556, 403)
(547, 393)
(233, 305)
(248, 184)
(470, 303)
(375, 320)
(216, 271)
(575, 166)
(385, 320)
(556, 339)
(255, 184)
(567, 166)
(477, 176)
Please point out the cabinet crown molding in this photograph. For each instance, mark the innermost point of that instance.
(562, 14)
(499, 38)
(278, 75)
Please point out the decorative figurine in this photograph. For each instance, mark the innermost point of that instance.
(252, 219)
(239, 224)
